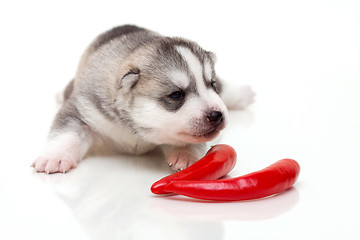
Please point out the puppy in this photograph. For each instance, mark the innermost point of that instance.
(135, 90)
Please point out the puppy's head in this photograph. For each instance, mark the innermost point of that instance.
(170, 94)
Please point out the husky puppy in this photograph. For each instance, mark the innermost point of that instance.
(135, 90)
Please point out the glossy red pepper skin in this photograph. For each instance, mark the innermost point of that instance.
(217, 162)
(268, 181)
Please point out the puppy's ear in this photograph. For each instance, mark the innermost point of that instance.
(129, 80)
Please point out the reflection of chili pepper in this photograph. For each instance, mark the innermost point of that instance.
(217, 162)
(268, 181)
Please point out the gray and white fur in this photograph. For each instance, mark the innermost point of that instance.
(135, 90)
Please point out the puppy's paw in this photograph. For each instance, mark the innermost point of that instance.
(180, 159)
(61, 154)
(54, 163)
(239, 98)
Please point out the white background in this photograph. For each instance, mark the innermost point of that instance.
(301, 57)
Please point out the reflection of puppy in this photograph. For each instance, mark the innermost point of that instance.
(135, 90)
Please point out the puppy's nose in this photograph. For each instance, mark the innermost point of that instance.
(215, 118)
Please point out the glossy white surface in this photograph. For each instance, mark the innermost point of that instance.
(301, 58)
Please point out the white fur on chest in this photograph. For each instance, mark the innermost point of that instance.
(112, 134)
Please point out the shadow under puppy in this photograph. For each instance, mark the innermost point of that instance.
(135, 90)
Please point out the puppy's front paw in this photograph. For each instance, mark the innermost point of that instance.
(61, 154)
(54, 163)
(180, 159)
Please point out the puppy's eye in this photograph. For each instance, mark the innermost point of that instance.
(214, 86)
(177, 95)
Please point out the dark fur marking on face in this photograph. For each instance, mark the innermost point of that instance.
(218, 85)
(203, 57)
(214, 84)
(168, 56)
(173, 101)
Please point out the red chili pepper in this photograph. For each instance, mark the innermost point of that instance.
(268, 181)
(217, 162)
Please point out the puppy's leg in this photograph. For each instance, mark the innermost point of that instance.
(68, 141)
(236, 97)
(179, 158)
